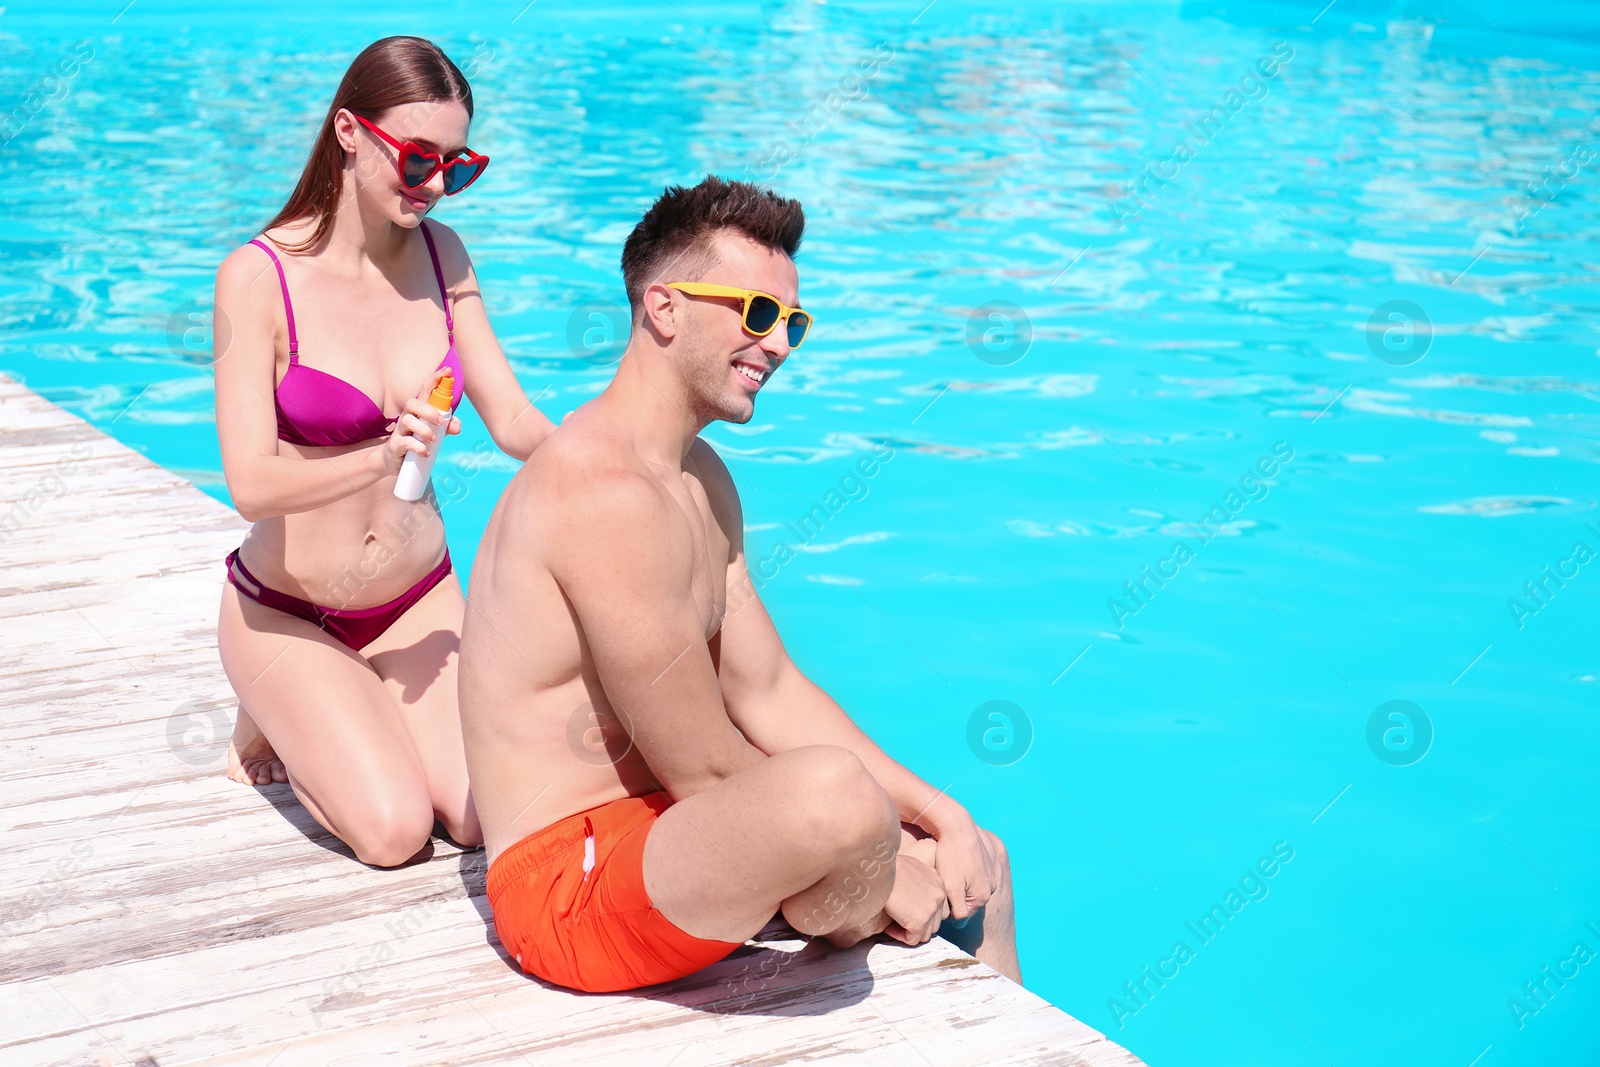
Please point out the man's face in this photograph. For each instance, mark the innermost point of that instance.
(723, 366)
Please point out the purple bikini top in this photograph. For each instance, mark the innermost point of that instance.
(318, 408)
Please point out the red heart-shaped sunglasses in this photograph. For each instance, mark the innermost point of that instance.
(417, 165)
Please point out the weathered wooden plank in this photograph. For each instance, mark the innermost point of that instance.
(159, 914)
(854, 1001)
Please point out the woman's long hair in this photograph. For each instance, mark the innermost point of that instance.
(387, 73)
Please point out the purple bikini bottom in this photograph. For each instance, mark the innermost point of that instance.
(356, 627)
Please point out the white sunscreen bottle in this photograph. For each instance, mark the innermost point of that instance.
(414, 469)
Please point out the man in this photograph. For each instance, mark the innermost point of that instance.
(655, 778)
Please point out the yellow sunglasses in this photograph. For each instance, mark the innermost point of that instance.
(762, 311)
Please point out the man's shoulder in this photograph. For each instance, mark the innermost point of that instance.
(578, 478)
(716, 479)
(711, 465)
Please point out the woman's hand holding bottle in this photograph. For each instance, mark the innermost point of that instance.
(417, 432)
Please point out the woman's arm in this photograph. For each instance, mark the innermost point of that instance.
(262, 483)
(516, 426)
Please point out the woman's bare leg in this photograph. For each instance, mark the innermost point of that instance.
(416, 659)
(343, 741)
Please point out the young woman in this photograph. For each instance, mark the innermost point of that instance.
(341, 619)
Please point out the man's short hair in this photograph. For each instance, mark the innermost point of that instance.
(676, 234)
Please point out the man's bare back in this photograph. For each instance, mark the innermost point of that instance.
(549, 743)
(654, 775)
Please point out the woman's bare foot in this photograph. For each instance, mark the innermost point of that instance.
(251, 760)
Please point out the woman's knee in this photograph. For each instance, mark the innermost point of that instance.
(389, 833)
(463, 826)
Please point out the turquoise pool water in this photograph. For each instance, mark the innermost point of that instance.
(1202, 457)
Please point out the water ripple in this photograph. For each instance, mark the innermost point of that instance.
(1495, 507)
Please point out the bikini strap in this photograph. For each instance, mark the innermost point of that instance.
(288, 308)
(449, 321)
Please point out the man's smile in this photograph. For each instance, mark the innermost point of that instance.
(755, 373)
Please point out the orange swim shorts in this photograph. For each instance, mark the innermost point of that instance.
(592, 929)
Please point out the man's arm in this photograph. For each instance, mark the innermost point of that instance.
(773, 704)
(778, 708)
(621, 552)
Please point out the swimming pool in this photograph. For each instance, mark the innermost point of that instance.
(1200, 459)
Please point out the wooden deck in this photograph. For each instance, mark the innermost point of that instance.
(155, 913)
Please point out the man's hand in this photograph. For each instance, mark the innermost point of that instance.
(917, 904)
(967, 865)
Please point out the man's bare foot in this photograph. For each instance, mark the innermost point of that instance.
(251, 760)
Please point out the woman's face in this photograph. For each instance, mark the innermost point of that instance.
(433, 125)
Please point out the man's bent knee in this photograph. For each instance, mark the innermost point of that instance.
(842, 807)
(824, 763)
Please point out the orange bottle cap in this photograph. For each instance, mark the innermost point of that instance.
(443, 393)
